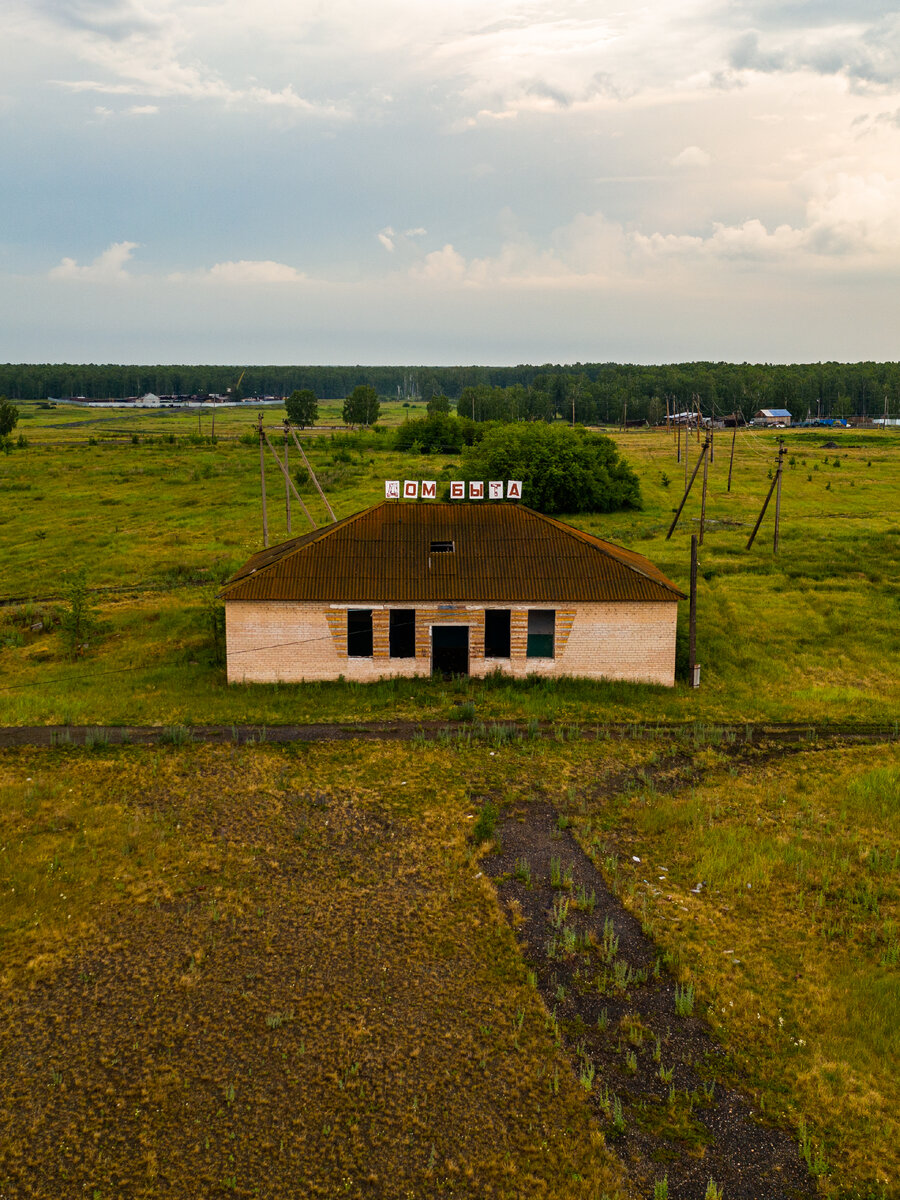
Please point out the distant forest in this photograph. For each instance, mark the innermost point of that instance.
(598, 391)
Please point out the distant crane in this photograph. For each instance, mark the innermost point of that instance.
(237, 387)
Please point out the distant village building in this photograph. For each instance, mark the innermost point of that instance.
(148, 400)
(468, 588)
(772, 416)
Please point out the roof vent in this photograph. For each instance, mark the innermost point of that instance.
(442, 547)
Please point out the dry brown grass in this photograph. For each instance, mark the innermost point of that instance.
(275, 973)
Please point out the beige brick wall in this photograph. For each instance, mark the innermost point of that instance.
(281, 640)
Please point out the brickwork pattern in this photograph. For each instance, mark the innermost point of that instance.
(449, 614)
(293, 641)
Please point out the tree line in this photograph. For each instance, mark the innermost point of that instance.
(591, 393)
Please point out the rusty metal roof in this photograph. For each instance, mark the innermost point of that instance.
(501, 552)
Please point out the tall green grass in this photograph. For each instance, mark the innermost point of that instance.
(808, 635)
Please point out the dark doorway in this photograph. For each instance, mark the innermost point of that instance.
(450, 649)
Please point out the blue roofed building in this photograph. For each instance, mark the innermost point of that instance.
(772, 416)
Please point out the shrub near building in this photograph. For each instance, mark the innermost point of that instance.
(436, 434)
(563, 470)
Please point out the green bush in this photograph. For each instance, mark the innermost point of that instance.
(438, 433)
(563, 470)
(77, 622)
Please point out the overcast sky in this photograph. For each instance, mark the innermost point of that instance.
(446, 181)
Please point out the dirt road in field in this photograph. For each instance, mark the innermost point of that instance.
(143, 735)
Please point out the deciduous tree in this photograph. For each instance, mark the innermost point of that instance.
(302, 407)
(9, 415)
(362, 406)
(438, 404)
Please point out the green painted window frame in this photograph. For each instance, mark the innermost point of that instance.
(541, 642)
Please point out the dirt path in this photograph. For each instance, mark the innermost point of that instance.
(784, 734)
(652, 1073)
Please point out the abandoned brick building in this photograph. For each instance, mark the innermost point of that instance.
(405, 589)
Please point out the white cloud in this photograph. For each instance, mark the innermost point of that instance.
(156, 49)
(108, 267)
(405, 241)
(850, 221)
(636, 145)
(692, 156)
(863, 48)
(442, 266)
(245, 271)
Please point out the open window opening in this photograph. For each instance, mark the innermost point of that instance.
(359, 632)
(442, 547)
(541, 633)
(402, 633)
(496, 633)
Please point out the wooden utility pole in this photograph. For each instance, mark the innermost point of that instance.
(678, 436)
(199, 428)
(262, 479)
(213, 421)
(777, 498)
(288, 479)
(707, 446)
(667, 413)
(625, 417)
(731, 460)
(287, 482)
(687, 445)
(884, 422)
(312, 473)
(692, 627)
(687, 491)
(775, 482)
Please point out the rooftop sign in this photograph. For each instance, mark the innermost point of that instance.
(426, 489)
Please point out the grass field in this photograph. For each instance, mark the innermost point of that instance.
(278, 971)
(145, 502)
(792, 937)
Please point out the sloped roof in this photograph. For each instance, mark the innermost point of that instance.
(774, 412)
(501, 552)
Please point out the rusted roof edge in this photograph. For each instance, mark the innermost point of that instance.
(300, 543)
(609, 549)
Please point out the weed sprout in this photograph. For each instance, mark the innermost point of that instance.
(684, 1000)
(486, 822)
